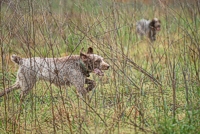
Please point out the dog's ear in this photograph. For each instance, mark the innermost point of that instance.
(83, 56)
(152, 24)
(90, 50)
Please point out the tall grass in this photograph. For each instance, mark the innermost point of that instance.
(150, 87)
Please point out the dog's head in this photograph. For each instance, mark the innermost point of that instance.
(155, 24)
(94, 62)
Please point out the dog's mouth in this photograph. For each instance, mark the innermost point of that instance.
(158, 28)
(97, 71)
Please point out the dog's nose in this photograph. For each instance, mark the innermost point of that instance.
(108, 67)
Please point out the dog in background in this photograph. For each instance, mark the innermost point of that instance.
(148, 27)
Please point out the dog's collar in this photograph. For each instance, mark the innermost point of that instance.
(84, 68)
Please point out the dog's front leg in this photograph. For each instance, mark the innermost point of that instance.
(91, 84)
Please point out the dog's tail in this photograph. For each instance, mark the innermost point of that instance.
(16, 59)
(8, 90)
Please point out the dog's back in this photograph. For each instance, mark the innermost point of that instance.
(50, 69)
(142, 27)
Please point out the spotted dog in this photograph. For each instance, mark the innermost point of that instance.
(148, 27)
(69, 70)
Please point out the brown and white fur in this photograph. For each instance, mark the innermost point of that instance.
(69, 70)
(148, 27)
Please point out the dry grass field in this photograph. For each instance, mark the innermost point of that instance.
(149, 88)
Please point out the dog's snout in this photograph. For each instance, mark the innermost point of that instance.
(105, 66)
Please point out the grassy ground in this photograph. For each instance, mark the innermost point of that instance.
(150, 87)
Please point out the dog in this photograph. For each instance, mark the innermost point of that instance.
(148, 27)
(69, 70)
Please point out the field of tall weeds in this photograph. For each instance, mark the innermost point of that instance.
(151, 87)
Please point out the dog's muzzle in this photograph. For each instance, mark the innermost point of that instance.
(98, 71)
(158, 28)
